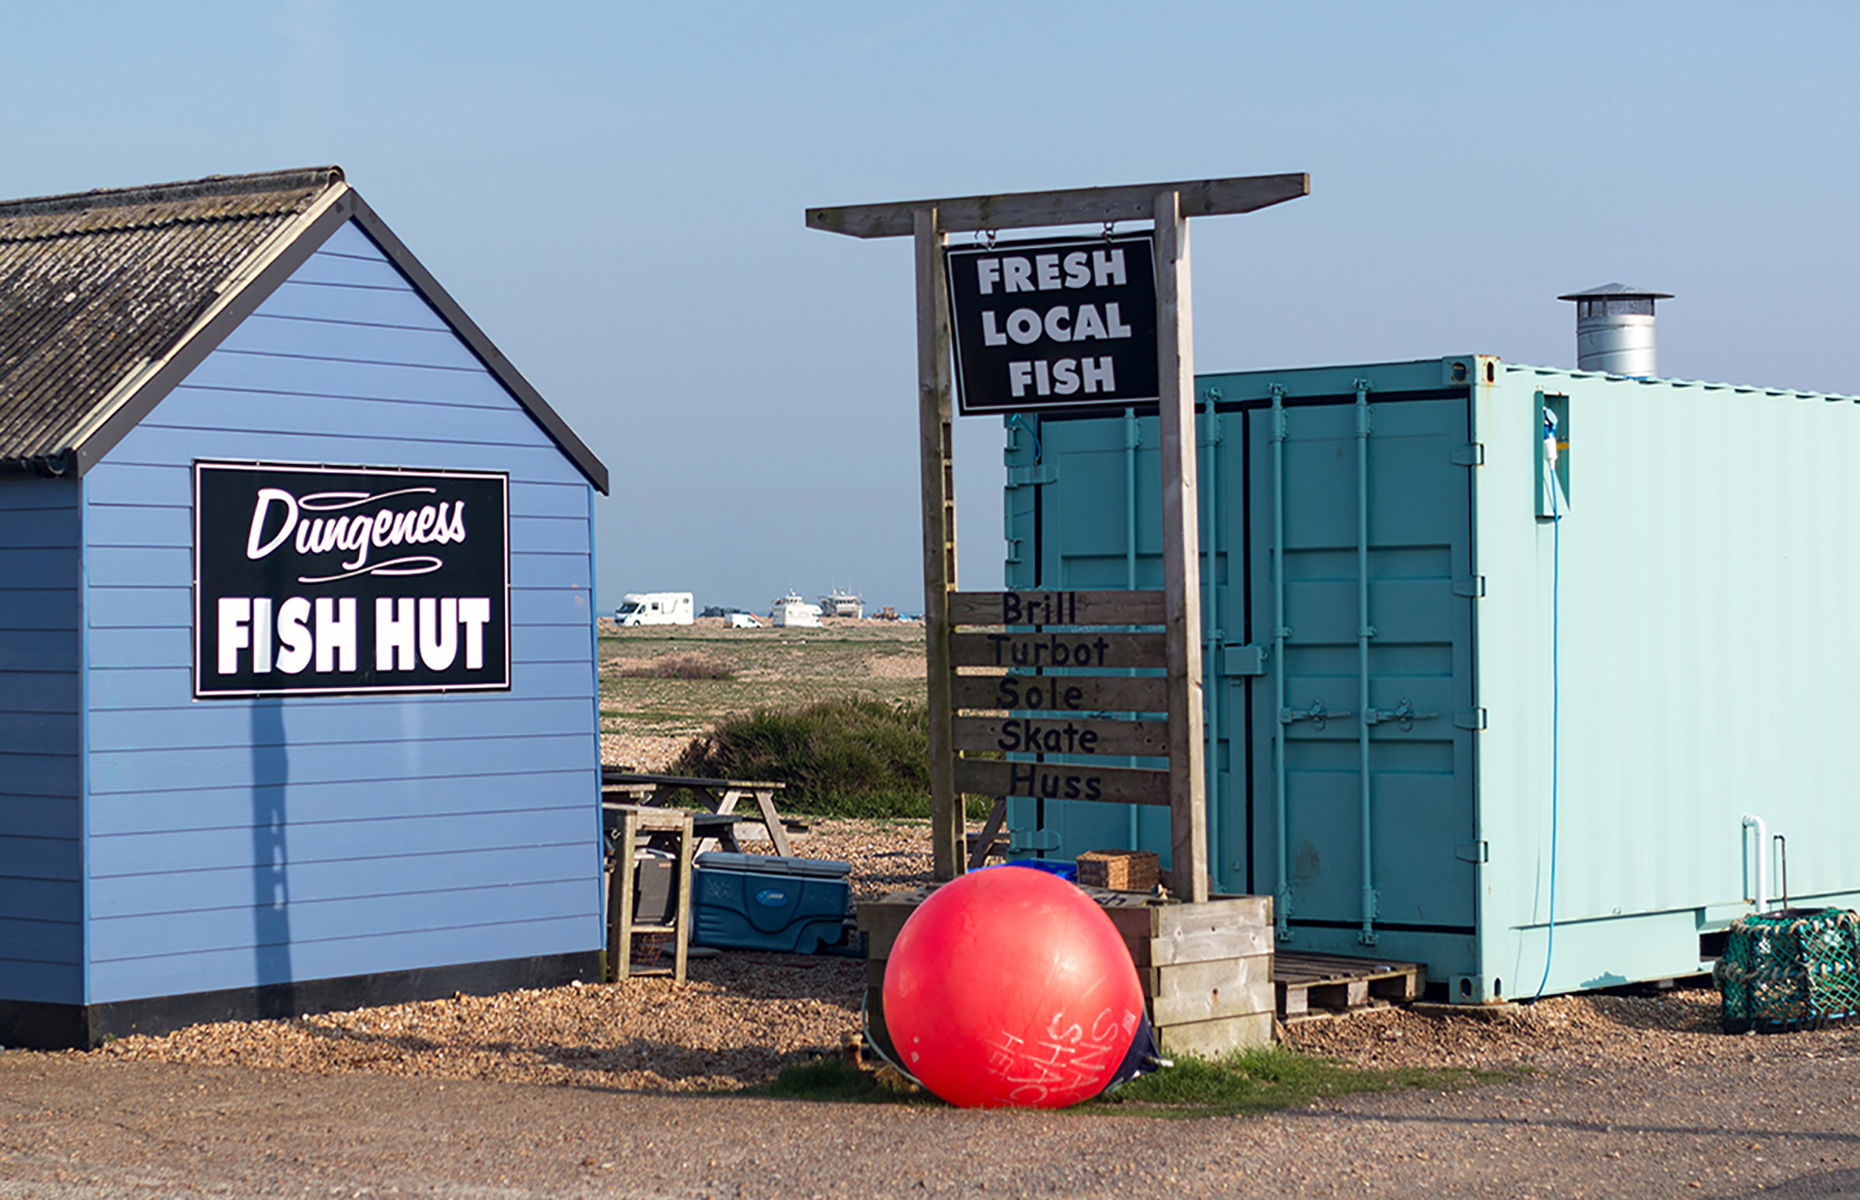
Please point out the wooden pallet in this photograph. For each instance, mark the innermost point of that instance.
(1313, 985)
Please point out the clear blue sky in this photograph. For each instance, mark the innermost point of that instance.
(615, 193)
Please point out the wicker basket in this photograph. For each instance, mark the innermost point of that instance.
(1119, 870)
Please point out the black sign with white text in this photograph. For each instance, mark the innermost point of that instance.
(1053, 323)
(349, 579)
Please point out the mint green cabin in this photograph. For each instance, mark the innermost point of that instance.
(1513, 671)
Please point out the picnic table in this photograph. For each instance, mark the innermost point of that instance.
(717, 795)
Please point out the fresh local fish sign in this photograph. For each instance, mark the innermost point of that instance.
(352, 579)
(1052, 324)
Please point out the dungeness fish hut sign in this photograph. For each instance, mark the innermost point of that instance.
(349, 579)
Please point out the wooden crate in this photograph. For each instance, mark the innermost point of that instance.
(1206, 969)
(1119, 870)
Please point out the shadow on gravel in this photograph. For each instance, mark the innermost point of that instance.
(1831, 1183)
(1598, 1127)
(671, 1061)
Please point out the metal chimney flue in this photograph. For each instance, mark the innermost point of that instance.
(1614, 329)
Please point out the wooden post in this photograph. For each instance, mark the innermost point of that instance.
(1175, 381)
(939, 514)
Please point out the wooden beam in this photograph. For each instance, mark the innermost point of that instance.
(1085, 649)
(1063, 781)
(1074, 206)
(1062, 735)
(937, 464)
(1175, 379)
(1085, 695)
(1027, 609)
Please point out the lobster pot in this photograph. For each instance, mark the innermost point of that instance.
(1789, 970)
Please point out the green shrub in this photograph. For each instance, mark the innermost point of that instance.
(849, 757)
(678, 666)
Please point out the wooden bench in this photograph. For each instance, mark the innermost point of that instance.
(718, 795)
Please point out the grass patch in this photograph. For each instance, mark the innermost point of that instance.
(1262, 1080)
(1266, 1079)
(678, 666)
(844, 757)
(833, 1081)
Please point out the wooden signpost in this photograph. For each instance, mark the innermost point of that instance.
(1032, 329)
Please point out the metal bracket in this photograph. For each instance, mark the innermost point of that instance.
(1317, 714)
(1473, 852)
(1033, 839)
(1470, 718)
(1244, 660)
(1472, 587)
(1031, 476)
(1470, 456)
(1403, 712)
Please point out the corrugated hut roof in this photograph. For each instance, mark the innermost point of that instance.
(108, 299)
(93, 286)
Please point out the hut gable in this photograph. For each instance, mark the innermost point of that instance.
(108, 299)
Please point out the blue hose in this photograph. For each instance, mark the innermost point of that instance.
(1556, 584)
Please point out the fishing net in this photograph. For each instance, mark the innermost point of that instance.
(1798, 968)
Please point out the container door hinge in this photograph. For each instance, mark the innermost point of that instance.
(1470, 718)
(1472, 586)
(1473, 852)
(1244, 660)
(1032, 476)
(1033, 839)
(1470, 456)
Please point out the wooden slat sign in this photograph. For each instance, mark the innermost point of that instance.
(1061, 693)
(1038, 631)
(1055, 608)
(1081, 651)
(1062, 781)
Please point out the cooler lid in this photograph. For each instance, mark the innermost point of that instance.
(774, 864)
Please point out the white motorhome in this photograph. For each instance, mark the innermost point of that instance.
(795, 613)
(654, 608)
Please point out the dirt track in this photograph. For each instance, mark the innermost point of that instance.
(83, 1126)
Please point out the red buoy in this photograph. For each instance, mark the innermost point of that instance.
(1009, 986)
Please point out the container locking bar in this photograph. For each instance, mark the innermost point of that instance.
(1317, 714)
(1403, 712)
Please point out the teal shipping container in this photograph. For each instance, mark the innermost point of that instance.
(1510, 670)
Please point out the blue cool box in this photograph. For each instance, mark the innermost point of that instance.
(768, 902)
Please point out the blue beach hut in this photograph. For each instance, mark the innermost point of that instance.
(297, 690)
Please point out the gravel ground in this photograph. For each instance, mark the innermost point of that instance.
(738, 1018)
(599, 1091)
(742, 1015)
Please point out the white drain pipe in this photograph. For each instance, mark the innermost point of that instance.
(1763, 871)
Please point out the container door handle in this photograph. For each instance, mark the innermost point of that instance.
(1403, 712)
(1317, 714)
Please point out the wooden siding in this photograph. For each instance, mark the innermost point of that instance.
(235, 843)
(41, 855)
